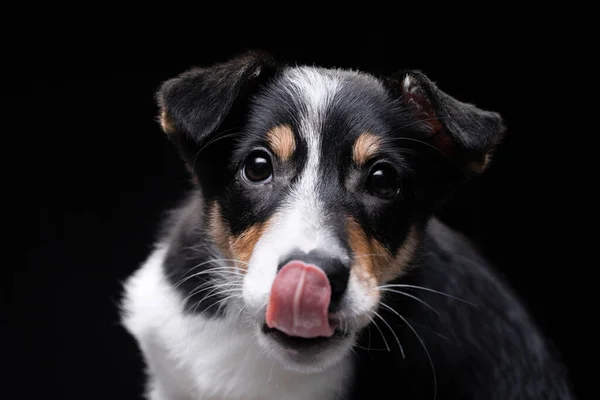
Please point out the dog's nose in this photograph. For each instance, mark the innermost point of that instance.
(336, 270)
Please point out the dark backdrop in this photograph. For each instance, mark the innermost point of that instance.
(97, 173)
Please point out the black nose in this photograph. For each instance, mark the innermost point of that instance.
(337, 271)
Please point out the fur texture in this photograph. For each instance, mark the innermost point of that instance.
(344, 170)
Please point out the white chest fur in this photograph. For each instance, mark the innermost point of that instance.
(190, 357)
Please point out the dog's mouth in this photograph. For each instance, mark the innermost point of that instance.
(298, 319)
(302, 343)
(299, 302)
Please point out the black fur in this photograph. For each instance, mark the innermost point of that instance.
(489, 349)
(188, 258)
(482, 344)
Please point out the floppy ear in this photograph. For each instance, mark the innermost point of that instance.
(461, 131)
(201, 102)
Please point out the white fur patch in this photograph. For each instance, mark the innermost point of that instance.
(299, 224)
(191, 357)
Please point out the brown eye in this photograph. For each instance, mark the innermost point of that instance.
(383, 181)
(258, 167)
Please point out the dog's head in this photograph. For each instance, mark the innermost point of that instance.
(317, 183)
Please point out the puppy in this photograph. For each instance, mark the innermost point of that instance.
(307, 262)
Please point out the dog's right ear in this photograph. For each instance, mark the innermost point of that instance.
(195, 105)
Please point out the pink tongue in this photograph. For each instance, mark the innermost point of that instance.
(299, 301)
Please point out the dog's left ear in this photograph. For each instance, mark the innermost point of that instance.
(461, 131)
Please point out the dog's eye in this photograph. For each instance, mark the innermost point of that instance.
(383, 181)
(257, 167)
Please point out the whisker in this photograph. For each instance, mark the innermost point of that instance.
(393, 333)
(218, 268)
(231, 269)
(422, 344)
(197, 304)
(446, 338)
(385, 289)
(212, 288)
(216, 260)
(367, 348)
(214, 293)
(217, 283)
(209, 271)
(370, 347)
(227, 287)
(428, 290)
(204, 286)
(387, 346)
(221, 302)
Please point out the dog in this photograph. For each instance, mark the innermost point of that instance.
(307, 261)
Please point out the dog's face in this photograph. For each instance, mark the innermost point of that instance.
(317, 184)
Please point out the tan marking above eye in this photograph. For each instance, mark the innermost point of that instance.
(365, 147)
(282, 141)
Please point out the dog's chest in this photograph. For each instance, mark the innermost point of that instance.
(214, 363)
(190, 357)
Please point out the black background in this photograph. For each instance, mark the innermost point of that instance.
(96, 173)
